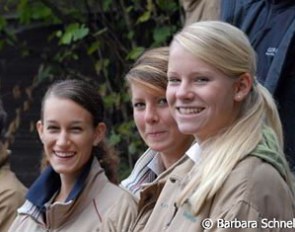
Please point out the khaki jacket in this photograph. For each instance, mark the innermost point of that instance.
(165, 202)
(87, 213)
(158, 192)
(12, 196)
(199, 10)
(254, 191)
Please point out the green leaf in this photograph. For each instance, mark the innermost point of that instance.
(114, 138)
(168, 5)
(66, 38)
(135, 53)
(24, 12)
(80, 33)
(58, 33)
(144, 17)
(40, 12)
(73, 32)
(129, 9)
(125, 128)
(93, 47)
(161, 34)
(106, 5)
(101, 64)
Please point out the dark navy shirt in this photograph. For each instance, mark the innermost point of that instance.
(267, 32)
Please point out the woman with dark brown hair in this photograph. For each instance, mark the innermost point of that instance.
(73, 193)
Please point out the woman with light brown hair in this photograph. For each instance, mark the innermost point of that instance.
(147, 81)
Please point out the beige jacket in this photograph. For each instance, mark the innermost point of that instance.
(12, 196)
(254, 191)
(198, 10)
(88, 212)
(149, 196)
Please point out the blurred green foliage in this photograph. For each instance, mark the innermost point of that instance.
(111, 34)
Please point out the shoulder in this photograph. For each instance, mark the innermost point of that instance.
(122, 211)
(23, 223)
(11, 187)
(113, 195)
(254, 185)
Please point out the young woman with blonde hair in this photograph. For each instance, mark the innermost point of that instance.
(242, 175)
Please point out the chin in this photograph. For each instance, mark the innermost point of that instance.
(187, 129)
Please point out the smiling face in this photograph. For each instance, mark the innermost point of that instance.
(68, 135)
(155, 123)
(202, 99)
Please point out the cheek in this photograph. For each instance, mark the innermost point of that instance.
(138, 119)
(170, 92)
(223, 104)
(48, 140)
(167, 118)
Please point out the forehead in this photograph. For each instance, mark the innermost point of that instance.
(185, 63)
(139, 89)
(61, 109)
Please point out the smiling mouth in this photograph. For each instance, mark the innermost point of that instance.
(155, 133)
(64, 155)
(190, 110)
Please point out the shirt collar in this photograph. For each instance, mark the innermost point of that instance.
(156, 165)
(48, 183)
(194, 152)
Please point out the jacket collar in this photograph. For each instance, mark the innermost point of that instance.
(49, 183)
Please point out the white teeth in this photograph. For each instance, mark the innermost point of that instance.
(64, 154)
(189, 110)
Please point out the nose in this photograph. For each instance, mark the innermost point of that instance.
(63, 139)
(184, 91)
(151, 115)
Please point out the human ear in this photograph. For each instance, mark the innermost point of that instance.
(243, 86)
(40, 129)
(99, 135)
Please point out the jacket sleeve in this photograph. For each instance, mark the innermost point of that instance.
(9, 203)
(121, 216)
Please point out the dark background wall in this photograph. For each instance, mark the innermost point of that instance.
(22, 102)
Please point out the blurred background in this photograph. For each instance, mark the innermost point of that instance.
(45, 40)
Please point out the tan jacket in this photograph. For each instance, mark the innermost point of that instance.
(254, 191)
(12, 196)
(87, 213)
(158, 192)
(198, 10)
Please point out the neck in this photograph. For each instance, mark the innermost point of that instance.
(67, 184)
(171, 157)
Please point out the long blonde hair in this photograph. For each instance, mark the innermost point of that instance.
(227, 48)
